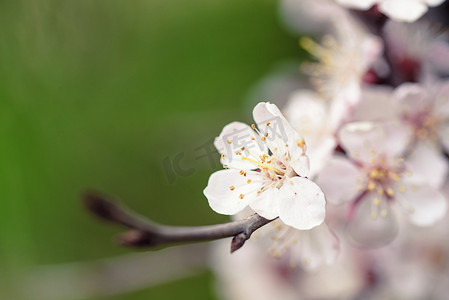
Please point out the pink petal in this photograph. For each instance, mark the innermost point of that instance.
(318, 246)
(364, 231)
(425, 204)
(361, 139)
(428, 161)
(339, 180)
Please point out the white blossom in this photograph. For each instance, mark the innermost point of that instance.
(267, 169)
(343, 60)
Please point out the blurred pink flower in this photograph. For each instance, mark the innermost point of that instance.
(375, 178)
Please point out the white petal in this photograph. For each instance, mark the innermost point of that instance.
(301, 203)
(372, 98)
(266, 203)
(282, 139)
(306, 112)
(358, 4)
(361, 139)
(397, 139)
(364, 231)
(301, 165)
(434, 2)
(225, 188)
(321, 153)
(232, 138)
(428, 161)
(427, 205)
(319, 246)
(365, 140)
(338, 180)
(410, 98)
(403, 10)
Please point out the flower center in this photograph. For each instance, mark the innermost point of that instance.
(382, 180)
(265, 165)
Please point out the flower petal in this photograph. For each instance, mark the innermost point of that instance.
(425, 204)
(228, 192)
(403, 10)
(428, 161)
(282, 139)
(358, 4)
(318, 246)
(232, 138)
(361, 139)
(364, 231)
(409, 98)
(301, 203)
(339, 180)
(434, 2)
(266, 203)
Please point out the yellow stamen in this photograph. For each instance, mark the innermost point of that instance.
(264, 166)
(390, 192)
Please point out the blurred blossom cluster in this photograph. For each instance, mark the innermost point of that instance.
(352, 169)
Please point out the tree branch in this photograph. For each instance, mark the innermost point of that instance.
(146, 233)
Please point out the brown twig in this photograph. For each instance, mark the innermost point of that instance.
(146, 233)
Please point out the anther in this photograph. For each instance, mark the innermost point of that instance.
(390, 192)
(371, 186)
(241, 196)
(232, 187)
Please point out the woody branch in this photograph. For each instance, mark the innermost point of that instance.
(146, 233)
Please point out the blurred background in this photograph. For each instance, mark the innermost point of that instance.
(124, 97)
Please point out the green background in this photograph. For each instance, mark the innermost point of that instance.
(96, 94)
